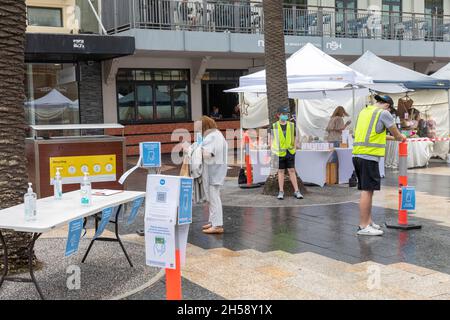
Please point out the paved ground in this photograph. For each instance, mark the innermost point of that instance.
(308, 249)
(312, 252)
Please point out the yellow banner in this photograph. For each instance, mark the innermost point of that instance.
(101, 168)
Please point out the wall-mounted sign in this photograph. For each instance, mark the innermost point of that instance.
(150, 154)
(101, 168)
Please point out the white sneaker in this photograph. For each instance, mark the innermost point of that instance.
(280, 195)
(298, 195)
(375, 226)
(369, 231)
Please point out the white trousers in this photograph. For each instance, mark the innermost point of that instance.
(215, 206)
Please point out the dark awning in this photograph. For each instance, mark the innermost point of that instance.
(42, 47)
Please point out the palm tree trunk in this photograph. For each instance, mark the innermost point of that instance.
(276, 79)
(275, 57)
(13, 173)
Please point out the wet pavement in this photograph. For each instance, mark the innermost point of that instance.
(279, 245)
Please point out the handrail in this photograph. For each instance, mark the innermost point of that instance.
(223, 16)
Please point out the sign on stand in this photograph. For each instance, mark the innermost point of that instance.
(168, 204)
(408, 198)
(150, 154)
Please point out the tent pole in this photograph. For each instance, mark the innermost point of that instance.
(448, 91)
(241, 100)
(353, 107)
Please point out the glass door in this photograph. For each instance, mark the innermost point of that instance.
(434, 10)
(346, 23)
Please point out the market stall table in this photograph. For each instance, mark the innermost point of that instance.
(419, 153)
(345, 164)
(53, 214)
(311, 165)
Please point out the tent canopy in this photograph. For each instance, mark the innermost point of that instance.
(443, 73)
(53, 98)
(311, 70)
(383, 71)
(310, 64)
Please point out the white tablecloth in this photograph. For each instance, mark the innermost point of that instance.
(345, 164)
(311, 166)
(419, 153)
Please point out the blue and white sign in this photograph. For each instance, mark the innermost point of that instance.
(150, 154)
(134, 210)
(106, 216)
(408, 198)
(185, 203)
(73, 238)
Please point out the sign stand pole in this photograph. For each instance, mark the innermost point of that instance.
(402, 182)
(173, 276)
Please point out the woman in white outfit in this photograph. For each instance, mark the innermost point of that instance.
(215, 151)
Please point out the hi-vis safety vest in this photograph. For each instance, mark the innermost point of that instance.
(282, 143)
(367, 140)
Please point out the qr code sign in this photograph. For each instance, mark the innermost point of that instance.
(161, 197)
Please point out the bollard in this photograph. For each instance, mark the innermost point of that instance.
(402, 182)
(248, 165)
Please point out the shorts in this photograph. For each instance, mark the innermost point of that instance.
(368, 173)
(287, 162)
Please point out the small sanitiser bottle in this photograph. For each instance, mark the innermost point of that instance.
(86, 191)
(30, 204)
(57, 185)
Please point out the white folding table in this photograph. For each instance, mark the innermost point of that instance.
(53, 214)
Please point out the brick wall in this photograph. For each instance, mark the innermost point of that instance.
(134, 134)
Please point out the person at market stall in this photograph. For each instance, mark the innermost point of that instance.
(214, 158)
(336, 125)
(283, 138)
(236, 112)
(368, 147)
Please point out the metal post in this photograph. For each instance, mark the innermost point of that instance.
(115, 15)
(320, 22)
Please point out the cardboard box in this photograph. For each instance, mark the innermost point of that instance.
(332, 173)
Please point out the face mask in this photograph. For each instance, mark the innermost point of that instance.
(284, 117)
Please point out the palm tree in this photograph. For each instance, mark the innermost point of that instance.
(276, 80)
(13, 173)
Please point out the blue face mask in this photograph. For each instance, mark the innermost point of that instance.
(284, 117)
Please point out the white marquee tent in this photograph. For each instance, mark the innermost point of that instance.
(319, 82)
(431, 95)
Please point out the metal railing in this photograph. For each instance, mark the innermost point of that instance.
(230, 16)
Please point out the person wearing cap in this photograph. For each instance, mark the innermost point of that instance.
(283, 147)
(368, 147)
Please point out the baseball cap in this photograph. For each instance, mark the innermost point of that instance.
(385, 99)
(284, 109)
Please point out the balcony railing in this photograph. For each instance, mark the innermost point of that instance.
(228, 16)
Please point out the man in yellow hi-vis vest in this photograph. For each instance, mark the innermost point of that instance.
(284, 147)
(368, 147)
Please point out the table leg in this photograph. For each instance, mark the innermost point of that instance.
(5, 277)
(116, 239)
(30, 263)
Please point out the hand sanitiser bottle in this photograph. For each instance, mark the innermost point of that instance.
(86, 191)
(30, 204)
(57, 185)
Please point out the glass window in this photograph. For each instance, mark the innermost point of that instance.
(145, 103)
(126, 102)
(51, 94)
(180, 101)
(163, 102)
(156, 95)
(44, 17)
